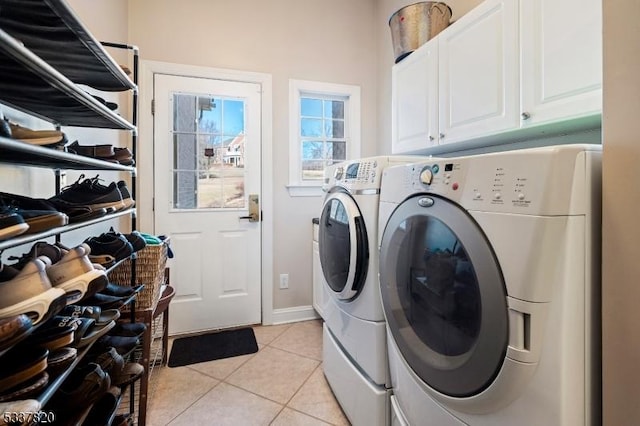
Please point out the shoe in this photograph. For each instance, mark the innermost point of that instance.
(134, 238)
(101, 152)
(110, 190)
(128, 329)
(59, 360)
(112, 244)
(86, 331)
(51, 335)
(21, 364)
(104, 301)
(5, 129)
(84, 386)
(28, 389)
(37, 137)
(94, 312)
(111, 105)
(36, 220)
(85, 193)
(126, 195)
(10, 411)
(104, 409)
(13, 330)
(39, 214)
(121, 290)
(30, 292)
(11, 223)
(75, 274)
(77, 213)
(123, 345)
(124, 156)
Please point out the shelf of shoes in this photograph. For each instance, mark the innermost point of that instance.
(46, 27)
(17, 152)
(31, 85)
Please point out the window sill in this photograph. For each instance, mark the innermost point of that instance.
(305, 190)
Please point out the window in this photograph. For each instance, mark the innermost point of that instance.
(324, 130)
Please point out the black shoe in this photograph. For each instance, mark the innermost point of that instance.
(11, 223)
(123, 345)
(127, 199)
(134, 238)
(86, 193)
(37, 213)
(111, 244)
(120, 290)
(128, 329)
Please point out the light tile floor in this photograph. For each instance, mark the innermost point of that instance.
(282, 384)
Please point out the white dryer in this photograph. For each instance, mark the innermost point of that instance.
(354, 343)
(489, 277)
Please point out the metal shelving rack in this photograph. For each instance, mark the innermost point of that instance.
(45, 54)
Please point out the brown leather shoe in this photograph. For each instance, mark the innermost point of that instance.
(96, 151)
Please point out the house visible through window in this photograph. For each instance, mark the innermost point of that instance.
(322, 135)
(324, 130)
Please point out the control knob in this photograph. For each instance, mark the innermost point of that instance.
(338, 173)
(426, 175)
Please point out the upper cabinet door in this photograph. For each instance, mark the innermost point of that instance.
(561, 59)
(479, 73)
(414, 100)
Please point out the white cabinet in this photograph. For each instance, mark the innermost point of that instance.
(478, 73)
(319, 292)
(414, 100)
(561, 59)
(505, 71)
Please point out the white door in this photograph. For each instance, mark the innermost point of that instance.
(561, 61)
(207, 179)
(414, 100)
(478, 73)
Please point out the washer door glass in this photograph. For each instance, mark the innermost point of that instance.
(343, 245)
(444, 296)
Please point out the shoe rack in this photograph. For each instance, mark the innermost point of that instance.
(46, 54)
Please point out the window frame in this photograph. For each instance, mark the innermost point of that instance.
(303, 88)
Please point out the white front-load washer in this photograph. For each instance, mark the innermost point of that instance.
(354, 343)
(489, 279)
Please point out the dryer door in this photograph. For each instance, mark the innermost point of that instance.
(343, 245)
(443, 295)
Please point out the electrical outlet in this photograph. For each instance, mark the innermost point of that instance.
(284, 281)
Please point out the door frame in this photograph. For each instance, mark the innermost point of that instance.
(145, 157)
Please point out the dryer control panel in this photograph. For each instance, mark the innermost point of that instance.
(364, 174)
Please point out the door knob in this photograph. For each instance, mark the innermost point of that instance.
(254, 209)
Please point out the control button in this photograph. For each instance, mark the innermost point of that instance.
(447, 175)
(435, 169)
(446, 181)
(375, 164)
(521, 196)
(454, 186)
(426, 175)
(477, 195)
(497, 196)
(338, 173)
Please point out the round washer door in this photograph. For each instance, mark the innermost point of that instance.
(443, 295)
(343, 245)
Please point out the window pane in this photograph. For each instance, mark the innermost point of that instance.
(184, 151)
(185, 186)
(233, 117)
(334, 109)
(184, 113)
(310, 107)
(233, 187)
(336, 151)
(209, 115)
(312, 150)
(334, 129)
(312, 169)
(311, 127)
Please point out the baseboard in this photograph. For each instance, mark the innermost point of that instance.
(295, 314)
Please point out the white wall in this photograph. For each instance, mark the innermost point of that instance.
(386, 8)
(323, 40)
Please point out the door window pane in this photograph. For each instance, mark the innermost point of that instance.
(208, 152)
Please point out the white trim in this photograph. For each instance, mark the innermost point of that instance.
(297, 187)
(144, 161)
(295, 314)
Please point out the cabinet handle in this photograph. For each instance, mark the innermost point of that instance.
(441, 135)
(431, 138)
(525, 115)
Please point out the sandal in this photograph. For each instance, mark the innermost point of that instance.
(94, 312)
(52, 336)
(13, 330)
(86, 330)
(83, 387)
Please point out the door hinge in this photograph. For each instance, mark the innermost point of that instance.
(153, 107)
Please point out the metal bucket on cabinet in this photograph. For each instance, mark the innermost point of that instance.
(414, 25)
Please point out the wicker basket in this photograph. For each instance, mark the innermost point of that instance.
(150, 264)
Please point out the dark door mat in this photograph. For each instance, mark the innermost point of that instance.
(212, 346)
